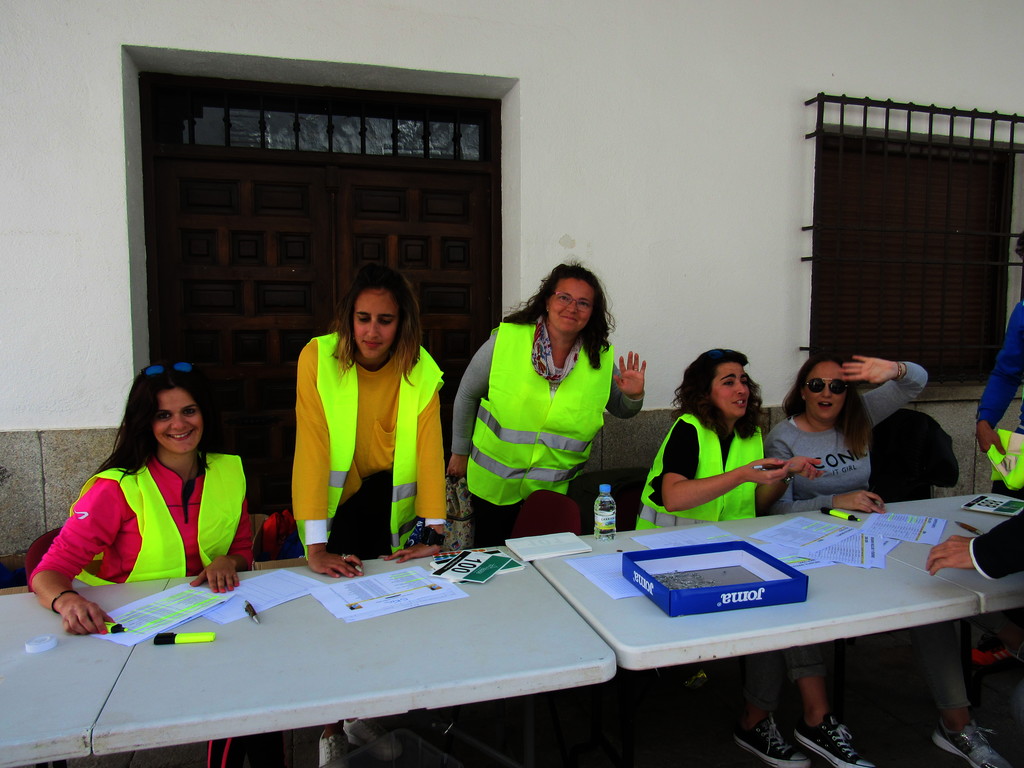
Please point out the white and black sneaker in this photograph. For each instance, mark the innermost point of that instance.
(831, 740)
(971, 745)
(765, 741)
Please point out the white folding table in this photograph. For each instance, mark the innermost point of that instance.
(300, 666)
(51, 699)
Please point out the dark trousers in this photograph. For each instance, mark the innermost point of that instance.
(493, 522)
(362, 525)
(264, 750)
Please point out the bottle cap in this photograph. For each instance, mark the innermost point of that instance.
(40, 643)
(604, 488)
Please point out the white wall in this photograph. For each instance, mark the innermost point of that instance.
(661, 141)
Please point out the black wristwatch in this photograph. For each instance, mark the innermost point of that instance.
(431, 537)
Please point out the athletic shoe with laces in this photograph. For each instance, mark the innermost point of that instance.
(971, 744)
(831, 740)
(366, 731)
(333, 749)
(765, 741)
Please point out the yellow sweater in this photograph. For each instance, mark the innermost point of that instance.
(375, 441)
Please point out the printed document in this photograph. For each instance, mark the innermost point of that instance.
(161, 612)
(367, 597)
(917, 528)
(263, 592)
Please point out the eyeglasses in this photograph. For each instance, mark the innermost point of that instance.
(566, 301)
(817, 385)
(156, 370)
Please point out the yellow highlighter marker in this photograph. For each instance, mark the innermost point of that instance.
(179, 638)
(841, 514)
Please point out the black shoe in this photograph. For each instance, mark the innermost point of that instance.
(765, 741)
(831, 740)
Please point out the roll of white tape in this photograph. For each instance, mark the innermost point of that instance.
(41, 643)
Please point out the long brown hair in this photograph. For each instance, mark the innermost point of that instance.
(135, 443)
(406, 347)
(594, 336)
(694, 394)
(853, 419)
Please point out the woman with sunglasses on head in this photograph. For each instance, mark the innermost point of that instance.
(164, 504)
(534, 396)
(831, 421)
(369, 459)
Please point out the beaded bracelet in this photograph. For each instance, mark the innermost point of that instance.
(901, 370)
(54, 601)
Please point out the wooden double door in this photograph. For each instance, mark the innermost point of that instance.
(247, 261)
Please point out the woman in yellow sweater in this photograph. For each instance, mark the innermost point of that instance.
(369, 461)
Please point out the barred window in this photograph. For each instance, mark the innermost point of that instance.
(912, 251)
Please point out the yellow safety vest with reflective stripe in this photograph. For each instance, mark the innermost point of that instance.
(737, 503)
(524, 439)
(162, 554)
(339, 394)
(1004, 468)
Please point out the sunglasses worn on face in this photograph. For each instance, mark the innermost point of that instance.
(817, 385)
(156, 370)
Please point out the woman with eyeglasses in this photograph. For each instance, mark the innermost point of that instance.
(534, 396)
(827, 418)
(166, 503)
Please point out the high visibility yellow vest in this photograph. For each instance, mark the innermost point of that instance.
(524, 439)
(162, 554)
(737, 503)
(339, 394)
(1008, 467)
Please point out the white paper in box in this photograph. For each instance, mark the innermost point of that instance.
(774, 582)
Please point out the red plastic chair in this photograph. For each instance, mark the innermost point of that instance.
(547, 512)
(36, 551)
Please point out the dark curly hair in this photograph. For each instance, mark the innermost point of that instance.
(135, 442)
(694, 394)
(853, 420)
(594, 336)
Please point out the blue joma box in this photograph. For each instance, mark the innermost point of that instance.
(713, 577)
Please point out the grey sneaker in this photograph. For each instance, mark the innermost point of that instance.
(971, 744)
(765, 742)
(831, 740)
(332, 750)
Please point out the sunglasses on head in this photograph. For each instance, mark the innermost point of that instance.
(817, 385)
(718, 354)
(156, 370)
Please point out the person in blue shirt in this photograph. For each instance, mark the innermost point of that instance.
(1002, 386)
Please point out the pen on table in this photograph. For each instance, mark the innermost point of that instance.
(841, 514)
(252, 612)
(970, 528)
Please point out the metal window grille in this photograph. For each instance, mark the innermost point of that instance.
(912, 238)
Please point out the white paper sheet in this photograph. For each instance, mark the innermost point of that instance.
(685, 536)
(806, 534)
(917, 528)
(161, 612)
(366, 597)
(605, 572)
(263, 592)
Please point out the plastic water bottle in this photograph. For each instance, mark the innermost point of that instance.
(604, 514)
